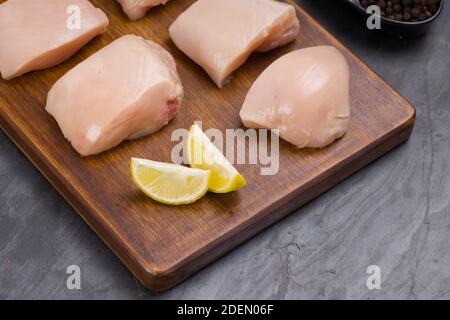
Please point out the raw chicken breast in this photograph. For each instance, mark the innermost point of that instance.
(220, 35)
(40, 34)
(136, 9)
(126, 90)
(305, 94)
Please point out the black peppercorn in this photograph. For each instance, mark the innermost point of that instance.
(405, 10)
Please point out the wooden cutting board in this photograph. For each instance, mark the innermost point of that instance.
(160, 244)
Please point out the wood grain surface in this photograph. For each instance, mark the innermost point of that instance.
(163, 245)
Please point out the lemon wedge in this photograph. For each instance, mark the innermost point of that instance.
(203, 154)
(169, 183)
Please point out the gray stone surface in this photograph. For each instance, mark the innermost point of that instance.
(395, 213)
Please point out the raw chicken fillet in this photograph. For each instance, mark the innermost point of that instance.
(126, 90)
(136, 9)
(38, 34)
(220, 35)
(305, 94)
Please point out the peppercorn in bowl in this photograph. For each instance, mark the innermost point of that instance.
(402, 17)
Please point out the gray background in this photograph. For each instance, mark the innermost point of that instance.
(395, 213)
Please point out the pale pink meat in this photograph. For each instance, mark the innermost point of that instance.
(126, 90)
(38, 34)
(220, 35)
(136, 9)
(305, 95)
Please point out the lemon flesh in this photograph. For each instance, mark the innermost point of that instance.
(169, 183)
(203, 154)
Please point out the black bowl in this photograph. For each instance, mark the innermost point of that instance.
(402, 28)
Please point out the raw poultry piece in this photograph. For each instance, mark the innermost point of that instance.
(40, 34)
(136, 9)
(219, 35)
(126, 90)
(305, 94)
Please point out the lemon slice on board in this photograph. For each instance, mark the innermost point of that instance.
(203, 154)
(169, 183)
